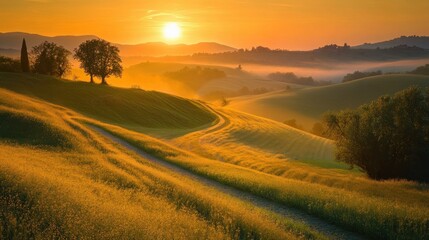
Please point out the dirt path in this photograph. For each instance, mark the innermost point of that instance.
(322, 226)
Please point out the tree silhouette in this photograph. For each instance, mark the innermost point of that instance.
(99, 58)
(25, 63)
(50, 59)
(87, 53)
(109, 61)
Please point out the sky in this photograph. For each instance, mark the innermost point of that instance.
(285, 24)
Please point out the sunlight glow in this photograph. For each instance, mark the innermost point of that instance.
(171, 31)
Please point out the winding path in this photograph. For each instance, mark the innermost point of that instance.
(315, 223)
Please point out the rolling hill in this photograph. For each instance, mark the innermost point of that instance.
(66, 171)
(131, 108)
(307, 105)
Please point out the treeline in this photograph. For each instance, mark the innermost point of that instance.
(290, 77)
(421, 70)
(357, 75)
(98, 58)
(317, 57)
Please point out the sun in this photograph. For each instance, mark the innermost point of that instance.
(171, 31)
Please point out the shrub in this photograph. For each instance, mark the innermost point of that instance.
(422, 70)
(9, 65)
(388, 138)
(357, 75)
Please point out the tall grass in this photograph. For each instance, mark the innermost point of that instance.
(96, 189)
(358, 208)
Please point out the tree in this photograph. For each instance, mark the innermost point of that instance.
(108, 61)
(388, 138)
(87, 53)
(99, 58)
(50, 59)
(25, 63)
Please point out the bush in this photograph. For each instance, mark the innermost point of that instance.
(9, 65)
(388, 138)
(422, 70)
(358, 75)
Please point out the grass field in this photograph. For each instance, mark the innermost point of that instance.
(389, 209)
(77, 184)
(308, 104)
(66, 180)
(131, 108)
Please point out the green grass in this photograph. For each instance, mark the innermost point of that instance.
(308, 104)
(131, 108)
(260, 144)
(98, 190)
(381, 210)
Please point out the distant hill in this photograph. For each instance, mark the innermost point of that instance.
(13, 40)
(10, 43)
(418, 41)
(307, 105)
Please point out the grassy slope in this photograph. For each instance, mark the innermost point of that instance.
(260, 143)
(381, 210)
(96, 172)
(82, 186)
(130, 108)
(307, 105)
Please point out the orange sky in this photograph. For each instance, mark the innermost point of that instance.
(285, 24)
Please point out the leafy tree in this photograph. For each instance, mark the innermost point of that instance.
(25, 63)
(50, 59)
(87, 53)
(388, 138)
(99, 58)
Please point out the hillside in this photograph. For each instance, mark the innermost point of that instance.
(307, 105)
(66, 170)
(131, 108)
(66, 181)
(418, 41)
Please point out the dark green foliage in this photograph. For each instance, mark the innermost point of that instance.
(25, 63)
(50, 59)
(290, 77)
(9, 65)
(358, 75)
(422, 70)
(195, 77)
(388, 138)
(99, 58)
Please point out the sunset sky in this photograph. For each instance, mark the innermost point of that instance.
(284, 24)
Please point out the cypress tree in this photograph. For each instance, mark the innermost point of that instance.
(25, 64)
